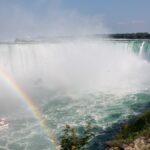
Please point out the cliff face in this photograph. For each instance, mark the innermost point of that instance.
(141, 143)
(133, 136)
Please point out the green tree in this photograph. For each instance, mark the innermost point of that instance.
(71, 140)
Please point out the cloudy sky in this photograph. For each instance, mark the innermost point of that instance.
(32, 18)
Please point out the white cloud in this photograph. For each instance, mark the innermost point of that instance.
(131, 22)
(138, 22)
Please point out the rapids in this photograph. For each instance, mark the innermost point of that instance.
(73, 82)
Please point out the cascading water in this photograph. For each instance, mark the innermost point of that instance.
(141, 49)
(73, 82)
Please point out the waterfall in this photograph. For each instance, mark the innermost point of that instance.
(72, 81)
(141, 49)
(74, 64)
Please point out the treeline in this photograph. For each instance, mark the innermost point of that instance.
(129, 36)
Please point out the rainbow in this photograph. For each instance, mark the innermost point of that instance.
(11, 82)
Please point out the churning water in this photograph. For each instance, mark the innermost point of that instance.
(73, 82)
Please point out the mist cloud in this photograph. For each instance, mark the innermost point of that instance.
(44, 18)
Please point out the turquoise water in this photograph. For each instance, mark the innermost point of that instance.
(73, 82)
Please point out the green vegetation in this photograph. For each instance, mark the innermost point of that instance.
(131, 36)
(142, 35)
(130, 131)
(71, 140)
(137, 128)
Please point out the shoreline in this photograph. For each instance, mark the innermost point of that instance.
(134, 135)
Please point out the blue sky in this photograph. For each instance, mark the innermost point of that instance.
(120, 15)
(22, 18)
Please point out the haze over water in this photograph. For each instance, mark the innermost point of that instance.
(73, 82)
(51, 49)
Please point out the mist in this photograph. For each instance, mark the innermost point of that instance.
(47, 18)
(82, 64)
